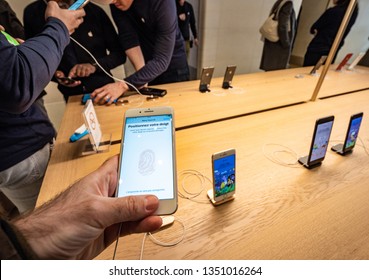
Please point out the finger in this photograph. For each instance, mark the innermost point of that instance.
(72, 72)
(148, 224)
(109, 100)
(110, 168)
(79, 71)
(59, 73)
(19, 40)
(97, 94)
(130, 208)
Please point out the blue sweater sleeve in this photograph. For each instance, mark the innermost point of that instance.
(27, 69)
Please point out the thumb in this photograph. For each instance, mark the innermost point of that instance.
(132, 208)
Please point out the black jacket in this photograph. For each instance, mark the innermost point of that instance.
(327, 27)
(189, 22)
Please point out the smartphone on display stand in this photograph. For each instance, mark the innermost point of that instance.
(78, 4)
(356, 61)
(156, 92)
(228, 76)
(351, 135)
(319, 143)
(147, 163)
(206, 75)
(344, 61)
(224, 177)
(318, 64)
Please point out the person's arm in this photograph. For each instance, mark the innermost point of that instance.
(164, 12)
(324, 21)
(84, 220)
(10, 21)
(136, 57)
(284, 25)
(30, 66)
(13, 245)
(193, 22)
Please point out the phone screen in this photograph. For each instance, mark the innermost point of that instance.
(353, 133)
(321, 139)
(147, 158)
(224, 175)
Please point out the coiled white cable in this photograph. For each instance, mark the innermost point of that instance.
(160, 242)
(190, 195)
(274, 158)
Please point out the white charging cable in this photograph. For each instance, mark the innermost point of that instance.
(191, 195)
(102, 68)
(274, 158)
(160, 242)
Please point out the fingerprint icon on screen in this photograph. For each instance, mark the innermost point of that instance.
(146, 164)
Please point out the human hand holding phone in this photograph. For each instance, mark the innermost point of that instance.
(147, 162)
(66, 81)
(71, 19)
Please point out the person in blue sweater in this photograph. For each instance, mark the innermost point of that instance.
(88, 218)
(151, 38)
(25, 129)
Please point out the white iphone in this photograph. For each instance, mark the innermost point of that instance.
(224, 176)
(356, 61)
(147, 163)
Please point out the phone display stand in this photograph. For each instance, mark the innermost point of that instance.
(216, 203)
(226, 85)
(314, 73)
(352, 66)
(339, 150)
(104, 146)
(304, 162)
(204, 88)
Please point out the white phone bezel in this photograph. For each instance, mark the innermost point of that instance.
(166, 206)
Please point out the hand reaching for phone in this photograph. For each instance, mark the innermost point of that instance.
(108, 93)
(82, 70)
(66, 81)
